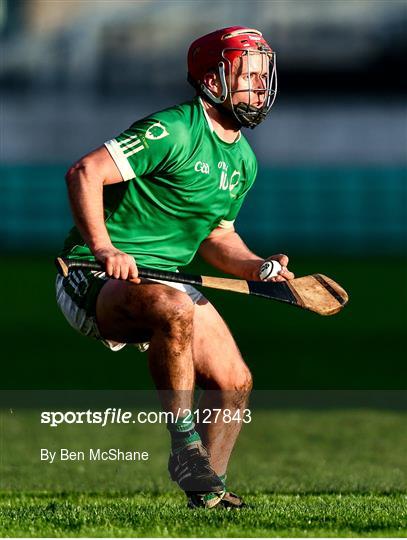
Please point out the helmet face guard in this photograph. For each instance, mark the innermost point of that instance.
(246, 66)
(258, 71)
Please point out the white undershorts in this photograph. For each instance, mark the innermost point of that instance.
(79, 319)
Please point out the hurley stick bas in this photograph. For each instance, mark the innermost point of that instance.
(316, 292)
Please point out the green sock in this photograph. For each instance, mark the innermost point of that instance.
(223, 478)
(183, 433)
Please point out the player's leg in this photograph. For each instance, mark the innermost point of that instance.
(153, 312)
(221, 371)
(164, 316)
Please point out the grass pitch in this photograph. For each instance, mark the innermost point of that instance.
(160, 515)
(302, 473)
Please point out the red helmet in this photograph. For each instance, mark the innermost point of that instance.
(216, 52)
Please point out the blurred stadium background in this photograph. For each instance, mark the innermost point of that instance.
(331, 190)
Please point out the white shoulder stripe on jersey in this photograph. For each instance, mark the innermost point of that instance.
(125, 147)
(134, 151)
(130, 138)
(224, 224)
(120, 159)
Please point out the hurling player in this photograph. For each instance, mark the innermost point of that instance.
(169, 186)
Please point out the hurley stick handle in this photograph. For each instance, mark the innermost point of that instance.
(64, 265)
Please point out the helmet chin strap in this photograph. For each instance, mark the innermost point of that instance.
(249, 115)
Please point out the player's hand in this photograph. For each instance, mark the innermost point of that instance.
(284, 274)
(117, 264)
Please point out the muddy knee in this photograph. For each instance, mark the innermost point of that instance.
(236, 393)
(173, 314)
(242, 384)
(233, 389)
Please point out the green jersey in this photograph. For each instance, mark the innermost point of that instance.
(181, 181)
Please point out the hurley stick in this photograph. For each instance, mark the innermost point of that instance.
(316, 292)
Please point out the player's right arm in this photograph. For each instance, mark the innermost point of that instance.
(85, 181)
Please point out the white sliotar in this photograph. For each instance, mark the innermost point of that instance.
(269, 269)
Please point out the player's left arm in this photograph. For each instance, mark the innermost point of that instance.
(225, 250)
